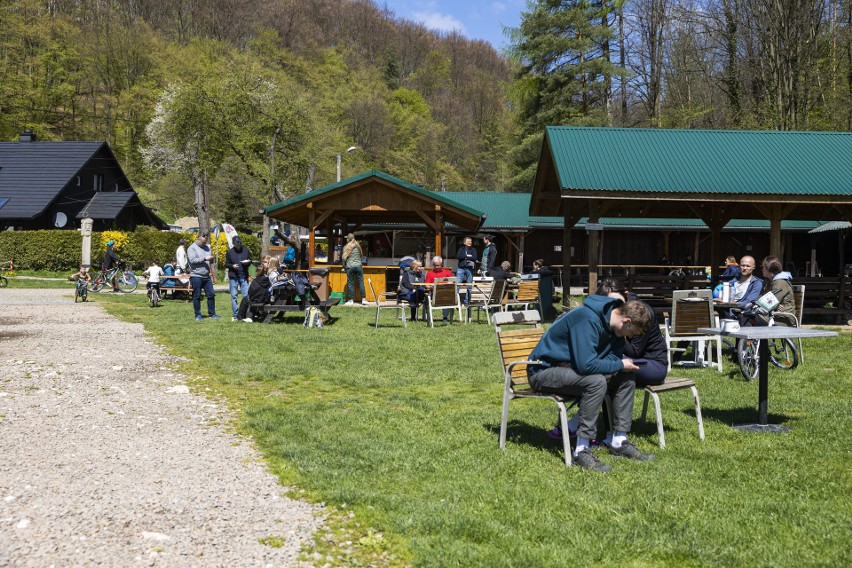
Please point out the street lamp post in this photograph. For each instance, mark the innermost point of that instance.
(340, 156)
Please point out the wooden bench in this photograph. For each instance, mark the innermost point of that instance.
(821, 292)
(657, 290)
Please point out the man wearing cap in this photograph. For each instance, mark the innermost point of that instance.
(182, 260)
(489, 256)
(109, 260)
(237, 259)
(199, 276)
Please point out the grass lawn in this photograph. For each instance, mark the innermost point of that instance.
(400, 427)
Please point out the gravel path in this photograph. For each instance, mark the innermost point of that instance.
(107, 459)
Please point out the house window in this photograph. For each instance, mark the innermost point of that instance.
(98, 182)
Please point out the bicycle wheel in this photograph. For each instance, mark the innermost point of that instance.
(127, 282)
(783, 354)
(748, 358)
(77, 295)
(3, 282)
(153, 297)
(98, 283)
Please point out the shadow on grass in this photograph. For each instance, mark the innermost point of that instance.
(744, 415)
(524, 433)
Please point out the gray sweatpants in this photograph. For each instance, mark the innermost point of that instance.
(592, 388)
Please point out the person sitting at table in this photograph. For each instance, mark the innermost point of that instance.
(438, 271)
(408, 291)
(649, 347)
(258, 292)
(502, 272)
(272, 267)
(778, 282)
(732, 269)
(745, 289)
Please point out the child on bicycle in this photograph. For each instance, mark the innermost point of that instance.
(153, 274)
(81, 275)
(111, 259)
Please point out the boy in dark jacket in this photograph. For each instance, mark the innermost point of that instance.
(581, 354)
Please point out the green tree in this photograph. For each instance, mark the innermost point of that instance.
(563, 74)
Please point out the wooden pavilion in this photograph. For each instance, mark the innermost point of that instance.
(374, 197)
(715, 176)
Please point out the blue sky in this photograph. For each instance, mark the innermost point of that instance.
(476, 19)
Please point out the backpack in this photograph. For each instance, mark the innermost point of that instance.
(313, 317)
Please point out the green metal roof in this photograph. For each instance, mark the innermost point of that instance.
(312, 195)
(511, 211)
(702, 161)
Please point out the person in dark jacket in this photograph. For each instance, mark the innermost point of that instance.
(502, 272)
(582, 353)
(258, 293)
(467, 257)
(489, 256)
(237, 259)
(412, 294)
(111, 259)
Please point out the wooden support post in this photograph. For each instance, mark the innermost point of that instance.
(568, 225)
(312, 229)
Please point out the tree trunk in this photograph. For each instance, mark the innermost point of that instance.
(622, 61)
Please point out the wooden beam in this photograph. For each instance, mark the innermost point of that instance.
(428, 220)
(594, 247)
(323, 216)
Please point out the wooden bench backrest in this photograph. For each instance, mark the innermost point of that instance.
(527, 291)
(516, 345)
(497, 293)
(480, 292)
(444, 294)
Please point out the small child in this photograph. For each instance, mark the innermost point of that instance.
(732, 269)
(82, 274)
(153, 274)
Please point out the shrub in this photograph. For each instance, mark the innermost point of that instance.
(62, 250)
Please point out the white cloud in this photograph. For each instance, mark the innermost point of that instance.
(438, 21)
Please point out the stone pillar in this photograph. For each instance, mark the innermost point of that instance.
(86, 231)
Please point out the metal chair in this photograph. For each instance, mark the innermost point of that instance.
(480, 296)
(692, 309)
(526, 294)
(671, 383)
(388, 301)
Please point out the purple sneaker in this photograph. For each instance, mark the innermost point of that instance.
(556, 434)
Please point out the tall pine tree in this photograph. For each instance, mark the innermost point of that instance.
(564, 74)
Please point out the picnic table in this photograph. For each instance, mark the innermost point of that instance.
(176, 283)
(288, 300)
(764, 334)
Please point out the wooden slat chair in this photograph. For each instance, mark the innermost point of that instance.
(480, 296)
(526, 294)
(515, 346)
(495, 301)
(388, 301)
(443, 295)
(671, 384)
(692, 309)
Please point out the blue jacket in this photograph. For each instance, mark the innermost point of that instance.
(583, 339)
(755, 287)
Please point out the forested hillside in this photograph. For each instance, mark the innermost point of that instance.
(250, 101)
(250, 98)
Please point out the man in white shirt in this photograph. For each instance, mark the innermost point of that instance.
(182, 260)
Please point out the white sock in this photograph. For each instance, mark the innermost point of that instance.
(582, 444)
(574, 423)
(618, 439)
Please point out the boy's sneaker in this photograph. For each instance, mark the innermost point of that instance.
(365, 303)
(629, 451)
(248, 320)
(587, 460)
(198, 318)
(349, 303)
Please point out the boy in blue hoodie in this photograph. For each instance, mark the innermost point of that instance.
(581, 354)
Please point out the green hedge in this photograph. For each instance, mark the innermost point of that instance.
(62, 250)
